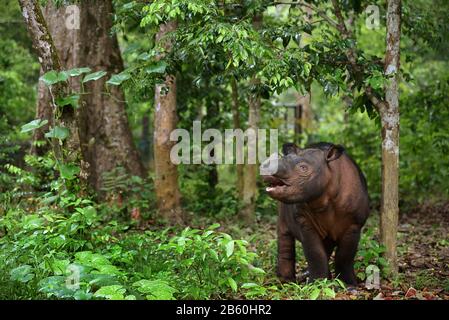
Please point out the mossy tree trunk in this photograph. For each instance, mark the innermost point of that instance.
(49, 59)
(100, 121)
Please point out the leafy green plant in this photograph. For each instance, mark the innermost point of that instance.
(207, 262)
(370, 252)
(319, 289)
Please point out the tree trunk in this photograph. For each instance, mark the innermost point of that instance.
(213, 121)
(250, 176)
(302, 114)
(237, 125)
(106, 140)
(49, 58)
(145, 139)
(390, 137)
(104, 130)
(165, 120)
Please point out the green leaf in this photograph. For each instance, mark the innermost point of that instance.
(315, 294)
(107, 269)
(117, 79)
(22, 274)
(214, 254)
(155, 289)
(71, 100)
(114, 292)
(158, 67)
(90, 213)
(53, 77)
(60, 133)
(32, 221)
(214, 226)
(82, 295)
(230, 248)
(77, 71)
(249, 285)
(232, 284)
(257, 270)
(94, 76)
(33, 125)
(329, 293)
(59, 267)
(340, 283)
(68, 171)
(90, 259)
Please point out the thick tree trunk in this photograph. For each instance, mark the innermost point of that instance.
(49, 58)
(101, 120)
(104, 129)
(390, 137)
(165, 119)
(237, 125)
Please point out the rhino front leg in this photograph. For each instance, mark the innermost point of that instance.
(286, 254)
(315, 253)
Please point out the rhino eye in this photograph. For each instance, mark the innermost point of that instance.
(303, 168)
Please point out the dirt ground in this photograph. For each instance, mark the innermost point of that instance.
(423, 254)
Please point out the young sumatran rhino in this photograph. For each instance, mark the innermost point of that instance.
(323, 203)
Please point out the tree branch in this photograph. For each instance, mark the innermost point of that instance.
(351, 54)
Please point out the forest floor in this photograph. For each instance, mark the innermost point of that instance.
(423, 252)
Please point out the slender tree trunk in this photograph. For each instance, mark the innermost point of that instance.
(49, 59)
(237, 125)
(390, 137)
(250, 176)
(105, 134)
(302, 112)
(165, 120)
(213, 111)
(145, 139)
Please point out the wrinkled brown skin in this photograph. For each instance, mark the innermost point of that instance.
(324, 206)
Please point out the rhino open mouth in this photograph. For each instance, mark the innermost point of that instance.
(274, 183)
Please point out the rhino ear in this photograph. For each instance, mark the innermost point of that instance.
(334, 152)
(288, 148)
